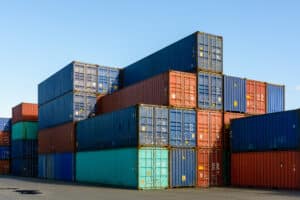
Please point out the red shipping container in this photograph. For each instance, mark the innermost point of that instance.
(172, 88)
(25, 112)
(209, 167)
(57, 139)
(273, 169)
(209, 129)
(4, 167)
(4, 138)
(255, 97)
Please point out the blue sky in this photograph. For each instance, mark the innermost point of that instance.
(261, 38)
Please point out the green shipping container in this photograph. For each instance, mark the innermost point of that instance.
(141, 168)
(24, 131)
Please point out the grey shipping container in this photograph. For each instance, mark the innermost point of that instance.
(199, 51)
(275, 98)
(73, 106)
(141, 125)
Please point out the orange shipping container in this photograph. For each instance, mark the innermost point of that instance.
(25, 112)
(209, 167)
(209, 129)
(274, 169)
(255, 97)
(4, 138)
(172, 88)
(57, 139)
(4, 167)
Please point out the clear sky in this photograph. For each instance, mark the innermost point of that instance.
(37, 38)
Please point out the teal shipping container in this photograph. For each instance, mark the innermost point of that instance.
(24, 131)
(140, 168)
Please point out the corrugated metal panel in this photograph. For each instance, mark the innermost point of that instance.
(108, 79)
(64, 167)
(4, 138)
(142, 125)
(24, 131)
(274, 169)
(4, 167)
(42, 166)
(216, 174)
(5, 124)
(24, 149)
(24, 167)
(182, 128)
(4, 153)
(67, 108)
(25, 112)
(267, 132)
(234, 94)
(210, 91)
(145, 168)
(275, 98)
(182, 167)
(255, 97)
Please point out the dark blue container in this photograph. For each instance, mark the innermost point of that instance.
(4, 153)
(24, 167)
(275, 98)
(76, 76)
(42, 166)
(182, 128)
(142, 125)
(5, 124)
(108, 79)
(24, 149)
(199, 51)
(69, 107)
(182, 167)
(234, 94)
(210, 91)
(275, 131)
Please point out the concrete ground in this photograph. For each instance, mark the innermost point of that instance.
(58, 190)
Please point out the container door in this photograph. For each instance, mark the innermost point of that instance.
(189, 131)
(203, 90)
(91, 78)
(113, 80)
(216, 95)
(176, 126)
(103, 80)
(78, 77)
(79, 107)
(203, 168)
(146, 125)
(203, 136)
(216, 167)
(161, 122)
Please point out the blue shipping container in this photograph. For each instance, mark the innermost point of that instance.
(210, 91)
(4, 153)
(275, 131)
(67, 108)
(182, 167)
(234, 94)
(142, 125)
(108, 80)
(182, 125)
(199, 51)
(275, 98)
(5, 124)
(24, 149)
(24, 167)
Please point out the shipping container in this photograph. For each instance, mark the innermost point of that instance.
(209, 129)
(275, 98)
(199, 51)
(4, 167)
(141, 125)
(275, 131)
(58, 139)
(24, 148)
(67, 108)
(141, 168)
(169, 89)
(182, 167)
(210, 91)
(226, 170)
(209, 167)
(182, 124)
(24, 131)
(24, 167)
(76, 76)
(25, 112)
(4, 138)
(5, 124)
(255, 97)
(234, 94)
(108, 79)
(4, 153)
(59, 166)
(273, 169)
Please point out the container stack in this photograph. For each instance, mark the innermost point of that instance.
(64, 98)
(5, 150)
(266, 151)
(24, 140)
